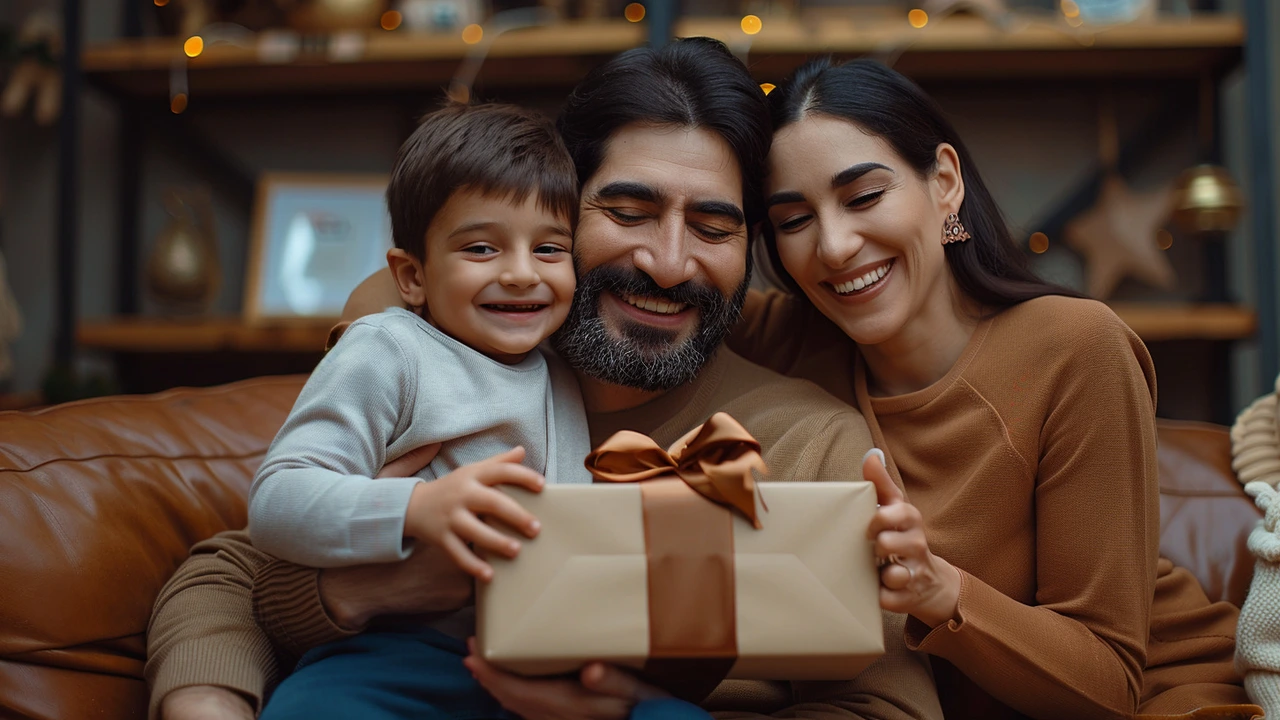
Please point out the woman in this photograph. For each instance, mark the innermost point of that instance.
(1018, 416)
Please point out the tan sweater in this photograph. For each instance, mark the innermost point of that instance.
(200, 632)
(1033, 463)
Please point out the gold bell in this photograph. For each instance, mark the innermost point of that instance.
(1206, 199)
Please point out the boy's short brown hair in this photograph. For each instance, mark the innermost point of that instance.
(498, 150)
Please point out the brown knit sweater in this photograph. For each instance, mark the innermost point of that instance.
(201, 631)
(1033, 463)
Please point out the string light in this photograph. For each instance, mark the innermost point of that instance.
(918, 18)
(178, 103)
(193, 46)
(633, 12)
(472, 34)
(752, 24)
(1038, 242)
(767, 87)
(391, 20)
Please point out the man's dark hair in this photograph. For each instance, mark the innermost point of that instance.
(498, 150)
(693, 83)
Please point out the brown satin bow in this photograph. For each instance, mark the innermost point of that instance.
(715, 459)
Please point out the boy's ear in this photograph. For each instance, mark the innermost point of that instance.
(409, 276)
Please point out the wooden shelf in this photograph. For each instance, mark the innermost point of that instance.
(161, 335)
(1188, 322)
(158, 335)
(559, 55)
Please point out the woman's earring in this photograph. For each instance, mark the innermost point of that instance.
(953, 231)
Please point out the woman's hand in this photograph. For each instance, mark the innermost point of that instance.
(601, 692)
(913, 580)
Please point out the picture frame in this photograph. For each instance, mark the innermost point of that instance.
(315, 236)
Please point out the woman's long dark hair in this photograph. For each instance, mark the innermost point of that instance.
(989, 268)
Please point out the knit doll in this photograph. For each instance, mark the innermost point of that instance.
(1255, 442)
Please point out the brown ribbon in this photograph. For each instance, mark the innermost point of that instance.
(688, 543)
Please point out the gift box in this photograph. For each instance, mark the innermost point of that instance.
(670, 564)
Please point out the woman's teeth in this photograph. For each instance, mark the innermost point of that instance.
(655, 305)
(866, 281)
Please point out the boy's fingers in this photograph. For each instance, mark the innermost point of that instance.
(873, 470)
(499, 506)
(470, 529)
(514, 455)
(466, 559)
(511, 474)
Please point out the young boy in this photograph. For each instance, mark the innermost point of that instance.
(482, 201)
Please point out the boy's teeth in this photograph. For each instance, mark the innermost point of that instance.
(865, 281)
(657, 305)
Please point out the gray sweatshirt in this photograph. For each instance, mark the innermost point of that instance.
(394, 383)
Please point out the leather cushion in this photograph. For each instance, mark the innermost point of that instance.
(1205, 517)
(99, 502)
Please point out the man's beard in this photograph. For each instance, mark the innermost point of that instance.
(644, 357)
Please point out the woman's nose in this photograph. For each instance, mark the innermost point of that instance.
(837, 244)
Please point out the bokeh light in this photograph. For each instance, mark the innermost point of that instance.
(161, 3)
(1164, 239)
(391, 20)
(178, 103)
(193, 46)
(918, 18)
(767, 87)
(1038, 242)
(472, 34)
(634, 12)
(752, 24)
(1074, 21)
(1070, 8)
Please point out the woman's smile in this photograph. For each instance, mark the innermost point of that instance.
(863, 283)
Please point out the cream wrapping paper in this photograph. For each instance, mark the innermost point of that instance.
(806, 587)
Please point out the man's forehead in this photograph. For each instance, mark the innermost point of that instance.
(679, 163)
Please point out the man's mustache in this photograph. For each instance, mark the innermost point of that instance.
(633, 281)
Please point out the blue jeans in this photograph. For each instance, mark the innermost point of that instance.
(416, 674)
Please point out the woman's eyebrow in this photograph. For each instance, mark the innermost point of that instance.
(787, 196)
(849, 174)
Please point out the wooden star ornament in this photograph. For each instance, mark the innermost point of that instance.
(1117, 237)
(992, 10)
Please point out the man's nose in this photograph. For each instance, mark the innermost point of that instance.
(667, 257)
(838, 243)
(519, 271)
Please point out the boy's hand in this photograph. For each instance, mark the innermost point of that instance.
(444, 512)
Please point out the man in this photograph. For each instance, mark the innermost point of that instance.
(669, 148)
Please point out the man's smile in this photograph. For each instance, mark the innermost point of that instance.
(652, 311)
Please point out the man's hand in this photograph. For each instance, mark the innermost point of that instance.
(601, 692)
(205, 702)
(446, 512)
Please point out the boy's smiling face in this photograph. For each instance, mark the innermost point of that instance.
(498, 275)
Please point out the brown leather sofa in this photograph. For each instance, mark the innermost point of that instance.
(100, 500)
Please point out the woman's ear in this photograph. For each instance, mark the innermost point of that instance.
(948, 180)
(410, 277)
